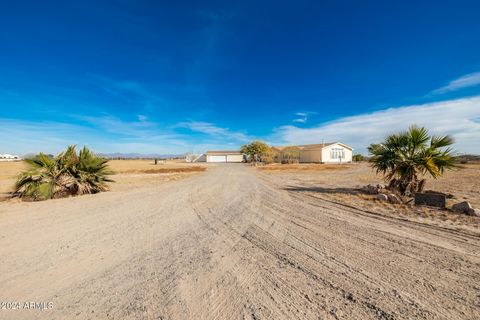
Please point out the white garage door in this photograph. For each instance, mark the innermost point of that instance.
(235, 158)
(217, 158)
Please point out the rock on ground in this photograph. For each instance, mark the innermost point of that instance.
(462, 207)
(393, 198)
(473, 212)
(382, 197)
(369, 189)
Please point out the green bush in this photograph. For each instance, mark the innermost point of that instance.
(358, 157)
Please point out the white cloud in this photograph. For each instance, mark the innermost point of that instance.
(300, 120)
(215, 131)
(33, 137)
(109, 134)
(131, 91)
(139, 128)
(468, 80)
(303, 116)
(460, 118)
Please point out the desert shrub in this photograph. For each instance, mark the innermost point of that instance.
(289, 161)
(66, 174)
(290, 155)
(404, 157)
(268, 159)
(257, 151)
(358, 157)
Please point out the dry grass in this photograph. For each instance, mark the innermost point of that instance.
(8, 172)
(304, 167)
(132, 173)
(9, 169)
(342, 186)
(148, 166)
(171, 170)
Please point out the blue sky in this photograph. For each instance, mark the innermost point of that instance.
(176, 76)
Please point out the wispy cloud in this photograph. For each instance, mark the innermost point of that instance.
(108, 134)
(142, 118)
(460, 118)
(303, 116)
(128, 90)
(43, 136)
(215, 131)
(102, 134)
(139, 127)
(468, 80)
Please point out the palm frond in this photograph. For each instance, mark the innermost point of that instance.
(67, 174)
(403, 156)
(441, 141)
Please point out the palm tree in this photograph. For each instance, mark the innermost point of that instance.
(66, 174)
(402, 158)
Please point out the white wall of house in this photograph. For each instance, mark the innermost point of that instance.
(308, 156)
(336, 153)
(224, 157)
(216, 158)
(235, 158)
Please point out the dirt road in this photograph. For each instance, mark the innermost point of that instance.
(230, 243)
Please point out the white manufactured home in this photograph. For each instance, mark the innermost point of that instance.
(224, 156)
(334, 152)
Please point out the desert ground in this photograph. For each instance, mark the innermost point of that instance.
(341, 184)
(127, 173)
(239, 242)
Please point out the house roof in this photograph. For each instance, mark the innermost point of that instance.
(315, 146)
(281, 148)
(222, 152)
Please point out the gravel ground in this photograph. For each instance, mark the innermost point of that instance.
(230, 243)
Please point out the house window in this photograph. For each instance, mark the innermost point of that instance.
(337, 153)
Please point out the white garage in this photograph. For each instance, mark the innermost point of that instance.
(224, 156)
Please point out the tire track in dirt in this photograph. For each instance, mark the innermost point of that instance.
(234, 244)
(455, 267)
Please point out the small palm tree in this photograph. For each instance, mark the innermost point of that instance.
(404, 157)
(66, 174)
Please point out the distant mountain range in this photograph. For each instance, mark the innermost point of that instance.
(140, 156)
(124, 155)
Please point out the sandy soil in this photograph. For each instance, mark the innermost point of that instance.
(148, 166)
(341, 184)
(127, 172)
(233, 242)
